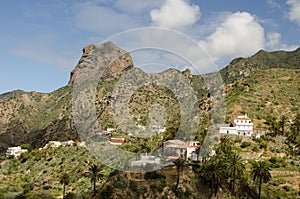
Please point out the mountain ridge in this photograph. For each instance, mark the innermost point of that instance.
(36, 118)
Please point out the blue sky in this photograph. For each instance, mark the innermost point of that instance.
(41, 41)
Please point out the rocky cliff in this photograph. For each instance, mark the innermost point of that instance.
(36, 118)
(112, 59)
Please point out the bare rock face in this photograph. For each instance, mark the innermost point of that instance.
(112, 60)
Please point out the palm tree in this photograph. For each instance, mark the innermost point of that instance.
(273, 124)
(94, 173)
(225, 146)
(296, 124)
(260, 171)
(213, 172)
(180, 165)
(235, 168)
(64, 180)
(282, 123)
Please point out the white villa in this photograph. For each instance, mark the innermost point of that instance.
(242, 125)
(15, 151)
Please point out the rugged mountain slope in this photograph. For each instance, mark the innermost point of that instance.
(264, 84)
(36, 118)
(241, 68)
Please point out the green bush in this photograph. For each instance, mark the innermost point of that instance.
(47, 187)
(71, 195)
(277, 162)
(133, 185)
(21, 196)
(287, 188)
(277, 182)
(245, 144)
(154, 175)
(27, 146)
(120, 183)
(107, 192)
(255, 149)
(263, 145)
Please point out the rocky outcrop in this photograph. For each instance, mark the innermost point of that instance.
(107, 59)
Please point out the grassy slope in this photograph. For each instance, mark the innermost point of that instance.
(273, 92)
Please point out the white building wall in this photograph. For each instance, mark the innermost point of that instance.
(242, 125)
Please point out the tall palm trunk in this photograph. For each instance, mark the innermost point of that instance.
(259, 188)
(177, 181)
(211, 190)
(216, 189)
(94, 186)
(64, 191)
(233, 182)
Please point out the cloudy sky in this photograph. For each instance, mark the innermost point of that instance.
(41, 41)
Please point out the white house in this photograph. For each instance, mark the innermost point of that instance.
(179, 148)
(15, 151)
(146, 160)
(191, 150)
(53, 144)
(242, 125)
(81, 144)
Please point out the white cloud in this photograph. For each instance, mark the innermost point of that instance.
(294, 12)
(274, 42)
(273, 3)
(134, 6)
(175, 14)
(239, 34)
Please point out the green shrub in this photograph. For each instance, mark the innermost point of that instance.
(287, 188)
(245, 144)
(133, 185)
(277, 162)
(154, 175)
(47, 187)
(120, 183)
(255, 149)
(277, 182)
(21, 196)
(263, 145)
(107, 192)
(153, 187)
(27, 146)
(70, 195)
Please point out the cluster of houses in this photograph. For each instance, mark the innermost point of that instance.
(241, 125)
(17, 151)
(173, 149)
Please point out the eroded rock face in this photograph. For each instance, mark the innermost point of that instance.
(107, 59)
